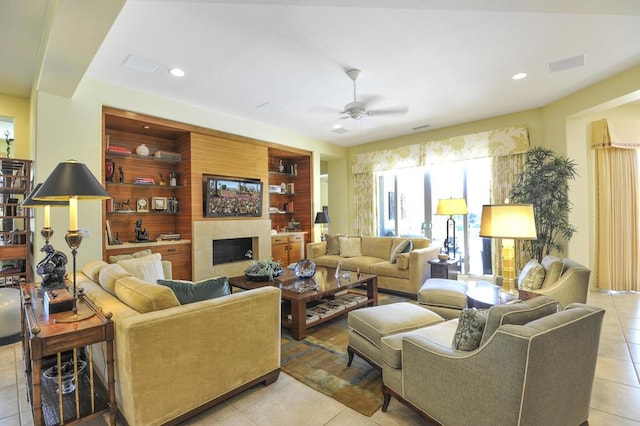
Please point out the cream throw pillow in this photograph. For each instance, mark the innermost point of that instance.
(92, 268)
(554, 267)
(531, 276)
(109, 275)
(147, 268)
(118, 257)
(404, 246)
(350, 247)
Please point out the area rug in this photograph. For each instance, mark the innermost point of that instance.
(320, 362)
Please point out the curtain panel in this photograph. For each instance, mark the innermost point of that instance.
(617, 204)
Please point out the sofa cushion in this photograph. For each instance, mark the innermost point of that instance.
(363, 263)
(147, 268)
(388, 269)
(143, 296)
(109, 275)
(350, 247)
(404, 246)
(470, 328)
(328, 260)
(553, 269)
(333, 245)
(141, 253)
(189, 292)
(531, 276)
(518, 313)
(379, 247)
(92, 269)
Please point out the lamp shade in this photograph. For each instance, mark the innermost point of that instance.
(322, 217)
(451, 206)
(514, 221)
(30, 202)
(71, 179)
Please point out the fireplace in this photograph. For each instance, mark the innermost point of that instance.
(231, 250)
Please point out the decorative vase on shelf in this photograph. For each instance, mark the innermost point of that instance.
(142, 149)
(281, 167)
(109, 168)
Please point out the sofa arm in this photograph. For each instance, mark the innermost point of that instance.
(572, 286)
(218, 344)
(315, 250)
(419, 268)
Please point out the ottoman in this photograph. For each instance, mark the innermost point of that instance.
(367, 326)
(444, 297)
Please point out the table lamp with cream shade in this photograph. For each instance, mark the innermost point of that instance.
(69, 182)
(450, 207)
(509, 222)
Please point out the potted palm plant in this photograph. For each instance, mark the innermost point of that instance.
(544, 182)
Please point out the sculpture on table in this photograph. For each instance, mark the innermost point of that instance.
(141, 234)
(52, 268)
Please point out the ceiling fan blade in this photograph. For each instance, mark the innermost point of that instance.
(389, 111)
(371, 100)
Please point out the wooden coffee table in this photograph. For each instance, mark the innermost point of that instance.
(485, 295)
(327, 286)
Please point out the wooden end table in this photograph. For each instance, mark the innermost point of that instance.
(445, 269)
(327, 286)
(45, 337)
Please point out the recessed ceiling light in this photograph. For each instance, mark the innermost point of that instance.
(337, 126)
(176, 72)
(519, 75)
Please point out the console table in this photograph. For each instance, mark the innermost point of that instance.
(47, 342)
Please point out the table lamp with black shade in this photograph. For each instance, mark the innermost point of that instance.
(52, 267)
(450, 207)
(71, 181)
(508, 222)
(322, 218)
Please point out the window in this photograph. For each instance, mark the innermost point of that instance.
(407, 201)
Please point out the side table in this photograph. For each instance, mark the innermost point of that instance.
(445, 269)
(487, 295)
(44, 338)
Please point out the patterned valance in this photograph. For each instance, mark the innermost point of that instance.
(494, 143)
(615, 133)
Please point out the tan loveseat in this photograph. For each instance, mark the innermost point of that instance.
(406, 275)
(176, 360)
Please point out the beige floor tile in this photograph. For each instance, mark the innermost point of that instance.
(217, 415)
(616, 399)
(613, 348)
(9, 405)
(634, 350)
(397, 414)
(256, 393)
(629, 321)
(628, 311)
(612, 332)
(632, 335)
(616, 370)
(349, 417)
(11, 421)
(599, 418)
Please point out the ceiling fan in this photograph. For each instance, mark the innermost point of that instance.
(357, 109)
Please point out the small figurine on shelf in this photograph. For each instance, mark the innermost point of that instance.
(281, 167)
(141, 234)
(120, 174)
(173, 177)
(162, 182)
(117, 241)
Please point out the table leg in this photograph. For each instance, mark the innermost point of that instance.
(37, 392)
(372, 291)
(113, 408)
(298, 319)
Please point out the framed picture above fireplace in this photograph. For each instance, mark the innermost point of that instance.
(231, 196)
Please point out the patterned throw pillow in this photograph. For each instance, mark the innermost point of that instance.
(531, 276)
(333, 245)
(189, 292)
(470, 328)
(405, 246)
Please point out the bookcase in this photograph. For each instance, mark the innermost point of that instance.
(15, 234)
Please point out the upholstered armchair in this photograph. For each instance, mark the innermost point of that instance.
(565, 280)
(537, 373)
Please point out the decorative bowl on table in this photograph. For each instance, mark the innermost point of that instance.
(443, 256)
(68, 384)
(305, 269)
(263, 270)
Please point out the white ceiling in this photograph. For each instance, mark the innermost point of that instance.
(448, 61)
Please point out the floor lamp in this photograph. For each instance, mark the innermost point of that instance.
(450, 207)
(71, 181)
(509, 222)
(322, 218)
(50, 282)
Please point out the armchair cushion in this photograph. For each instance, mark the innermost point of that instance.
(531, 276)
(470, 328)
(189, 292)
(518, 314)
(553, 268)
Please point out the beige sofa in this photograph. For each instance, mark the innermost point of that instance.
(406, 275)
(177, 360)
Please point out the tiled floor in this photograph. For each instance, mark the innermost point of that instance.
(615, 399)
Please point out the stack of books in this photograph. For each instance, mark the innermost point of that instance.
(168, 155)
(310, 317)
(145, 181)
(118, 149)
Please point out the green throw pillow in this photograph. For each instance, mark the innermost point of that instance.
(189, 292)
(470, 328)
